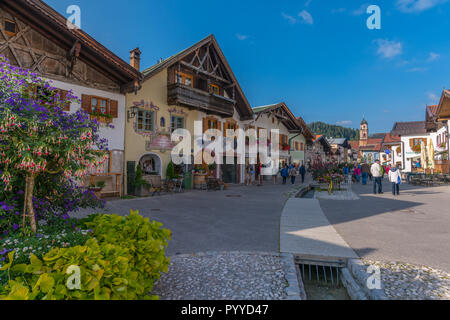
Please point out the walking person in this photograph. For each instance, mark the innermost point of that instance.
(376, 171)
(293, 173)
(259, 174)
(365, 170)
(357, 173)
(285, 173)
(249, 171)
(302, 171)
(395, 178)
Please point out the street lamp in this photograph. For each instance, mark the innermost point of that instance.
(132, 113)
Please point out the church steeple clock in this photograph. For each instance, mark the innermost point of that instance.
(363, 133)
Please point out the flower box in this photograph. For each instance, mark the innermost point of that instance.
(101, 119)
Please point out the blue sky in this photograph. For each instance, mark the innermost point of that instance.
(316, 55)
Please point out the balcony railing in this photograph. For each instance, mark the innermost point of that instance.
(180, 94)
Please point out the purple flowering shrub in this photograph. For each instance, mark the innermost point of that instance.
(42, 148)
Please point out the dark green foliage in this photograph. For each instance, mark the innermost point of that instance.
(334, 131)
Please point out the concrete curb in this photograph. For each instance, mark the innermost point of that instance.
(355, 278)
(294, 290)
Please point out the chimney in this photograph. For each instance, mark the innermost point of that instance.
(135, 58)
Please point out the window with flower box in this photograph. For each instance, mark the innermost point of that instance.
(100, 108)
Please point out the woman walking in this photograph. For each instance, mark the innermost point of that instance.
(395, 178)
(293, 172)
(357, 173)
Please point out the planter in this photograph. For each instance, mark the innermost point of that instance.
(199, 180)
(96, 191)
(101, 119)
(441, 166)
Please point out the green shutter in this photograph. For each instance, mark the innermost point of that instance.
(131, 173)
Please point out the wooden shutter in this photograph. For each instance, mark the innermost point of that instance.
(114, 108)
(205, 125)
(86, 103)
(225, 128)
(63, 95)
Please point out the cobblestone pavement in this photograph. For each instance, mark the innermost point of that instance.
(224, 276)
(404, 281)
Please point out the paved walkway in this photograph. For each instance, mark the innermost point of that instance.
(305, 230)
(412, 228)
(239, 219)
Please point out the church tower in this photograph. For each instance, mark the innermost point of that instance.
(363, 133)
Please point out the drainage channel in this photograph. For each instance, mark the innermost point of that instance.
(321, 278)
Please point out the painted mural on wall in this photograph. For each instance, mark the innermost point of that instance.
(160, 136)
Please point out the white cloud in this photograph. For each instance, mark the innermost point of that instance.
(307, 3)
(388, 49)
(344, 123)
(241, 37)
(360, 11)
(413, 6)
(433, 97)
(433, 56)
(289, 18)
(306, 17)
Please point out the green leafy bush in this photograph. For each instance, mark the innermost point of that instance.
(170, 171)
(122, 261)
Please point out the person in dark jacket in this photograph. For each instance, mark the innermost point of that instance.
(285, 173)
(302, 171)
(365, 171)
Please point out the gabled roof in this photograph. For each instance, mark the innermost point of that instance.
(409, 128)
(391, 139)
(354, 144)
(53, 25)
(166, 63)
(443, 112)
(431, 117)
(281, 111)
(306, 131)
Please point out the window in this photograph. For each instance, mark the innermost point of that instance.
(145, 120)
(10, 28)
(213, 124)
(162, 122)
(99, 105)
(184, 78)
(176, 123)
(214, 88)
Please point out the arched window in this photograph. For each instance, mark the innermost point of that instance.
(162, 122)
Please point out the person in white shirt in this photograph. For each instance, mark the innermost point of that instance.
(377, 173)
(395, 178)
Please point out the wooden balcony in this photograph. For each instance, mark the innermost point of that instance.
(179, 94)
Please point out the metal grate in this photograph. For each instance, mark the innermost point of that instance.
(324, 274)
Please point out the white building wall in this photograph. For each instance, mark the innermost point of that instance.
(114, 136)
(441, 133)
(408, 152)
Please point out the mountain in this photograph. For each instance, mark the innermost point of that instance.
(334, 131)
